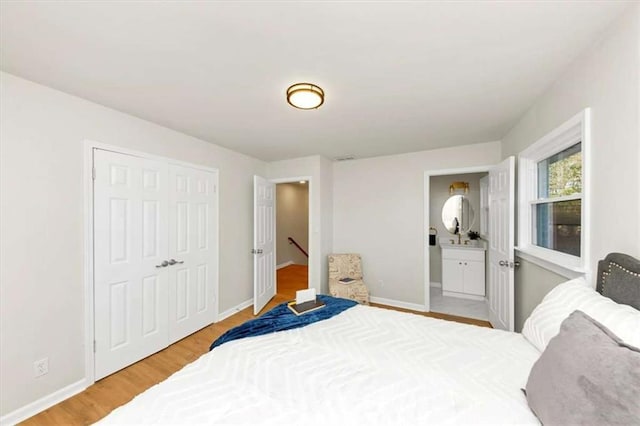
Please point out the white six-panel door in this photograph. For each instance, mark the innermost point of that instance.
(264, 230)
(192, 250)
(501, 244)
(130, 239)
(155, 256)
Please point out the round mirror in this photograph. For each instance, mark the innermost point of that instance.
(457, 214)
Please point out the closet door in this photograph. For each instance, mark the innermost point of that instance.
(193, 250)
(130, 245)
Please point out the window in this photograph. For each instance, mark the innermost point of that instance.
(551, 187)
(558, 209)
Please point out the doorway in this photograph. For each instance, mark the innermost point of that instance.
(460, 263)
(292, 237)
(458, 243)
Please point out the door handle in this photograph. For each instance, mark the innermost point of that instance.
(503, 263)
(164, 264)
(173, 261)
(256, 251)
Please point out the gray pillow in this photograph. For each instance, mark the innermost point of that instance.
(586, 376)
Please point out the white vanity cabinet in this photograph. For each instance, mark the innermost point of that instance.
(463, 272)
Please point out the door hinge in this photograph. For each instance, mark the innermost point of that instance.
(93, 173)
(94, 346)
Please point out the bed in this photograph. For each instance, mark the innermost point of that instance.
(368, 365)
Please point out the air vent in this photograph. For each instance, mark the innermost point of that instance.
(345, 158)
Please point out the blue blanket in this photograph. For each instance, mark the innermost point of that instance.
(281, 318)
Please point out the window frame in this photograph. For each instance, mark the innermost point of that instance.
(573, 131)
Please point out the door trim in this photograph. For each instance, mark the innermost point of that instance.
(88, 242)
(426, 224)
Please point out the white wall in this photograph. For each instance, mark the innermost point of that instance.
(292, 220)
(606, 78)
(318, 169)
(438, 195)
(379, 213)
(326, 218)
(41, 223)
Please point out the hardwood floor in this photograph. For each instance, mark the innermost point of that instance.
(117, 389)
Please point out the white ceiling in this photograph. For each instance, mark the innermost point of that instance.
(398, 77)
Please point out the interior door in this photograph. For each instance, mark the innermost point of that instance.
(501, 244)
(192, 255)
(130, 284)
(264, 230)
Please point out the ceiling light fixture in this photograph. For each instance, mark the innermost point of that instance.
(305, 96)
(462, 186)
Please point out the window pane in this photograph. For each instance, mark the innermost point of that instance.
(558, 226)
(561, 174)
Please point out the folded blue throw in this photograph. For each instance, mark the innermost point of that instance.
(281, 318)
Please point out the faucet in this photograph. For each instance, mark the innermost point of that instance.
(459, 237)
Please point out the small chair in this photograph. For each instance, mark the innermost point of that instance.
(347, 265)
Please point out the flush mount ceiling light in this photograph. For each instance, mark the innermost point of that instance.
(305, 96)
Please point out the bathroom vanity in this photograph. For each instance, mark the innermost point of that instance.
(463, 260)
(463, 273)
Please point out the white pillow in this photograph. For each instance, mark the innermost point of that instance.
(544, 322)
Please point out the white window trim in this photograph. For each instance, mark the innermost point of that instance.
(576, 129)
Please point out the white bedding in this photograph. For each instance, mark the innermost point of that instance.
(364, 366)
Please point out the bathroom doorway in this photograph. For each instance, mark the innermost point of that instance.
(457, 244)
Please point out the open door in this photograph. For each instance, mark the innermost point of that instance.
(264, 230)
(501, 244)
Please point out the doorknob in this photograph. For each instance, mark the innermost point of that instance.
(164, 264)
(503, 263)
(173, 261)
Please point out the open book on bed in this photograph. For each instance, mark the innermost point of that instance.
(306, 301)
(303, 308)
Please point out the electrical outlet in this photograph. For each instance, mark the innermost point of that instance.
(381, 283)
(41, 367)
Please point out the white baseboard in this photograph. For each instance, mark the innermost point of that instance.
(235, 309)
(43, 403)
(435, 284)
(398, 304)
(463, 296)
(284, 265)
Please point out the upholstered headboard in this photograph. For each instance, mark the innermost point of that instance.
(619, 279)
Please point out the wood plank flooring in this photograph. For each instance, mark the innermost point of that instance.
(117, 389)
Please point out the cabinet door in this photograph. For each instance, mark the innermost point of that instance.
(474, 277)
(452, 275)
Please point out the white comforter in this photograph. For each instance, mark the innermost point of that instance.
(364, 366)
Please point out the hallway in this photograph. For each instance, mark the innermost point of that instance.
(290, 279)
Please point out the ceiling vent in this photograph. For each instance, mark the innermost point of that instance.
(345, 158)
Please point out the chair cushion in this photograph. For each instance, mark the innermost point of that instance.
(345, 265)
